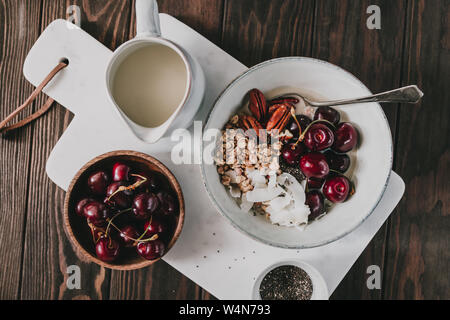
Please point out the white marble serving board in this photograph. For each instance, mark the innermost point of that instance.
(209, 251)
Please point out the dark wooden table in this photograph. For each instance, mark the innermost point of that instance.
(412, 47)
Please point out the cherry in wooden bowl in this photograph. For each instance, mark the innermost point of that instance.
(77, 227)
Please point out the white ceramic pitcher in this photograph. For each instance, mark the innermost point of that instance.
(149, 32)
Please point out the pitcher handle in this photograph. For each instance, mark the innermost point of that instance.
(147, 19)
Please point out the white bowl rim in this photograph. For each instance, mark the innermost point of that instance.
(229, 87)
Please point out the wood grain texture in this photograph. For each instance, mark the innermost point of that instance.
(48, 251)
(417, 265)
(19, 28)
(258, 30)
(204, 16)
(374, 56)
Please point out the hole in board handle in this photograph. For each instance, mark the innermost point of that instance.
(64, 60)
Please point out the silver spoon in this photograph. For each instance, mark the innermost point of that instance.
(408, 94)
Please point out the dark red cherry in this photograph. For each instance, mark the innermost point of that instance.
(346, 138)
(153, 182)
(318, 137)
(336, 189)
(98, 182)
(314, 183)
(327, 113)
(127, 234)
(316, 203)
(151, 250)
(304, 121)
(292, 153)
(97, 213)
(107, 249)
(337, 162)
(154, 226)
(144, 205)
(314, 165)
(79, 208)
(121, 172)
(168, 203)
(121, 199)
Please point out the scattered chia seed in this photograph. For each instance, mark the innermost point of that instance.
(286, 283)
(292, 170)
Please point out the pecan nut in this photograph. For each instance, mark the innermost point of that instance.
(249, 122)
(258, 104)
(280, 117)
(284, 100)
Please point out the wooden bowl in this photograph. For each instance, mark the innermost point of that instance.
(77, 227)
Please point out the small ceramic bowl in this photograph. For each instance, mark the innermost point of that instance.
(77, 228)
(320, 289)
(371, 164)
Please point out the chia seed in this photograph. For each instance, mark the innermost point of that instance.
(292, 170)
(286, 283)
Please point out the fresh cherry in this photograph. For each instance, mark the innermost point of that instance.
(314, 165)
(107, 249)
(127, 234)
(96, 213)
(168, 204)
(314, 183)
(154, 226)
(315, 202)
(318, 137)
(346, 138)
(79, 208)
(292, 153)
(337, 162)
(98, 182)
(121, 199)
(120, 172)
(336, 189)
(304, 121)
(153, 182)
(151, 250)
(327, 113)
(144, 205)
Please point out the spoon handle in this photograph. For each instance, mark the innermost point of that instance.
(409, 94)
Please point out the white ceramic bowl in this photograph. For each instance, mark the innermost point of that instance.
(370, 171)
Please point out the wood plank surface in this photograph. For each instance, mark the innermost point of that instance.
(417, 265)
(19, 25)
(374, 56)
(48, 251)
(258, 30)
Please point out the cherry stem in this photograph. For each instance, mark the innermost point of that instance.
(302, 135)
(93, 229)
(130, 187)
(115, 216)
(298, 124)
(145, 231)
(136, 240)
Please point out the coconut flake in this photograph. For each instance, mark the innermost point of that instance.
(291, 216)
(280, 202)
(294, 188)
(263, 194)
(257, 178)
